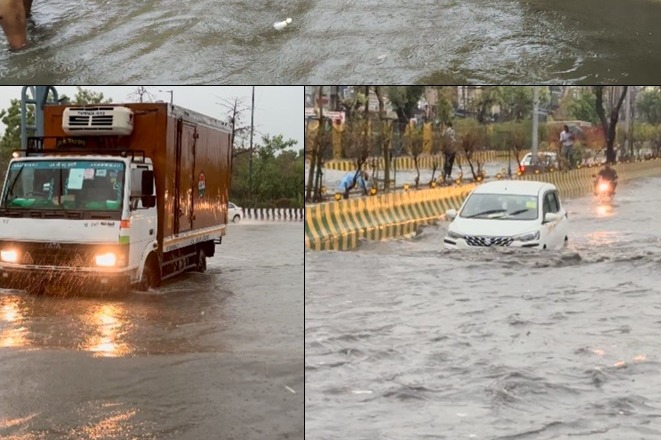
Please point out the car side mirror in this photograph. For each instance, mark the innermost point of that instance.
(551, 217)
(451, 213)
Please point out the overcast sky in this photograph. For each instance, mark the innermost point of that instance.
(278, 110)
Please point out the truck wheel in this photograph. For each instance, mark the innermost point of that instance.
(236, 219)
(201, 261)
(150, 276)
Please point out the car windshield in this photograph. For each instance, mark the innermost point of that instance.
(65, 184)
(500, 206)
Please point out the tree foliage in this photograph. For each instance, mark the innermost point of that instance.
(277, 175)
(404, 100)
(517, 102)
(583, 108)
(649, 106)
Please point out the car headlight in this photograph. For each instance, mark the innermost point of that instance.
(108, 259)
(528, 237)
(9, 256)
(453, 234)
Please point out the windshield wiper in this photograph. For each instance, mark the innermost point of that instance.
(492, 211)
(13, 184)
(517, 212)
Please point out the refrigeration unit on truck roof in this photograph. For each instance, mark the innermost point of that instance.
(101, 120)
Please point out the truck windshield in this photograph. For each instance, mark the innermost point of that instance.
(65, 184)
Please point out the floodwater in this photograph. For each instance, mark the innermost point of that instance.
(213, 355)
(405, 340)
(348, 41)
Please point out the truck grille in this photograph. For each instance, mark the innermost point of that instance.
(488, 241)
(62, 254)
(66, 255)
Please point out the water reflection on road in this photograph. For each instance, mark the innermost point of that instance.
(213, 355)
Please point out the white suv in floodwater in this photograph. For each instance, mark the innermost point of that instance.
(510, 213)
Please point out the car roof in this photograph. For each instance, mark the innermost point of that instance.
(519, 187)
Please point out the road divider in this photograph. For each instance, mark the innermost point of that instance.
(275, 214)
(340, 225)
(579, 182)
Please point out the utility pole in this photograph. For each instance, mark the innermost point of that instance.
(628, 144)
(252, 128)
(171, 92)
(535, 121)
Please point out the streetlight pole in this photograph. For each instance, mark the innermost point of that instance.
(252, 128)
(171, 92)
(535, 121)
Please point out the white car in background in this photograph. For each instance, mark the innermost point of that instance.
(234, 213)
(512, 213)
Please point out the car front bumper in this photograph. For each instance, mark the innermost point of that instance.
(461, 243)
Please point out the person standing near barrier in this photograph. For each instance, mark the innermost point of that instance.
(449, 155)
(567, 142)
(353, 179)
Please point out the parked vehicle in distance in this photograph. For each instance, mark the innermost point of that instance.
(234, 213)
(545, 160)
(510, 213)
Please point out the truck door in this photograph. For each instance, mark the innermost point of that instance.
(184, 179)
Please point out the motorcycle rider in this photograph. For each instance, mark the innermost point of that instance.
(608, 174)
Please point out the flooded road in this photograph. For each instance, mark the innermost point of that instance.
(213, 355)
(346, 41)
(406, 340)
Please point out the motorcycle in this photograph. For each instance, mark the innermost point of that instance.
(604, 190)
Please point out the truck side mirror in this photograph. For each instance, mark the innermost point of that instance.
(148, 201)
(147, 184)
(147, 189)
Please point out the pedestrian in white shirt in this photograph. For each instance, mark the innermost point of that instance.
(567, 142)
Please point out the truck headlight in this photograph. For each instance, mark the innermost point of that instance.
(9, 256)
(108, 259)
(528, 237)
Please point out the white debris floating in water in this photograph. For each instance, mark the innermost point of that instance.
(282, 24)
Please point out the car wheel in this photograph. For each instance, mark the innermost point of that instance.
(236, 218)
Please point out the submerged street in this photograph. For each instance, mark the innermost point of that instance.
(404, 339)
(213, 355)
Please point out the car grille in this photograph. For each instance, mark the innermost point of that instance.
(488, 241)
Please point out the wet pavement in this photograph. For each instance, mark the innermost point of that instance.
(404, 339)
(385, 41)
(213, 355)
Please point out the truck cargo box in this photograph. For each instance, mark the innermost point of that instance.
(191, 153)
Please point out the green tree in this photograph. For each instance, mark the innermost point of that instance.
(583, 108)
(86, 96)
(404, 100)
(517, 102)
(444, 106)
(649, 106)
(277, 178)
(488, 97)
